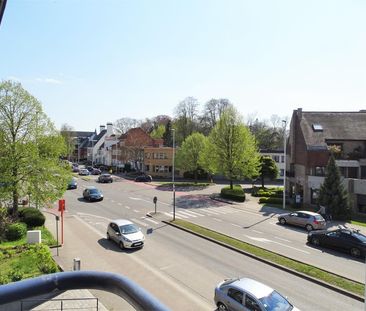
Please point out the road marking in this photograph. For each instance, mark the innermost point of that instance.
(171, 215)
(112, 201)
(217, 219)
(137, 199)
(257, 231)
(151, 220)
(282, 239)
(86, 214)
(136, 211)
(127, 207)
(183, 216)
(236, 225)
(209, 212)
(119, 203)
(263, 240)
(188, 214)
(195, 213)
(139, 222)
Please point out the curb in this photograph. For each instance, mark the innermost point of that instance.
(299, 274)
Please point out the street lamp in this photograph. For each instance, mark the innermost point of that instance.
(284, 122)
(173, 159)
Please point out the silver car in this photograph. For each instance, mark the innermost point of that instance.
(309, 220)
(125, 233)
(246, 294)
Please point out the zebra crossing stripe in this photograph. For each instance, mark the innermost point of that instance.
(209, 212)
(188, 214)
(176, 216)
(139, 222)
(181, 215)
(151, 220)
(194, 213)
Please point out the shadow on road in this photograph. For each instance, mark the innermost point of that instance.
(258, 222)
(335, 253)
(112, 246)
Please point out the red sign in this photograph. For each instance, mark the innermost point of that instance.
(61, 205)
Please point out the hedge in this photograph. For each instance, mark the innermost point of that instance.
(32, 217)
(236, 194)
(271, 200)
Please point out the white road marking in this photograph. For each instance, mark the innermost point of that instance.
(195, 213)
(119, 203)
(86, 214)
(282, 239)
(257, 231)
(139, 222)
(236, 225)
(127, 207)
(137, 199)
(112, 201)
(136, 211)
(183, 216)
(208, 212)
(171, 215)
(217, 219)
(151, 220)
(188, 214)
(270, 241)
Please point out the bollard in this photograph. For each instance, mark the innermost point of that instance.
(77, 264)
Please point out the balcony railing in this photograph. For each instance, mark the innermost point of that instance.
(138, 297)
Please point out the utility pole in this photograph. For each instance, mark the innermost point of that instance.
(284, 163)
(173, 158)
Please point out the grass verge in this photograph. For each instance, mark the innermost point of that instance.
(184, 184)
(46, 236)
(332, 279)
(354, 222)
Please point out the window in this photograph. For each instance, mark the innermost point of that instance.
(314, 195)
(352, 172)
(282, 171)
(317, 127)
(235, 294)
(363, 172)
(251, 304)
(282, 159)
(319, 171)
(276, 158)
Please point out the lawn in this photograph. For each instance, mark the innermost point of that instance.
(19, 260)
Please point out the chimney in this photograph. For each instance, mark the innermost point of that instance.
(109, 129)
(101, 128)
(299, 113)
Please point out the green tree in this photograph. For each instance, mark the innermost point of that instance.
(332, 193)
(67, 134)
(188, 154)
(158, 132)
(268, 169)
(167, 136)
(31, 149)
(231, 149)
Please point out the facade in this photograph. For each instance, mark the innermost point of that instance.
(158, 161)
(311, 136)
(278, 157)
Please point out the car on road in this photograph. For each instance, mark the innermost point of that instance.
(75, 169)
(244, 294)
(125, 233)
(344, 239)
(309, 220)
(105, 178)
(143, 178)
(84, 172)
(92, 194)
(72, 184)
(96, 171)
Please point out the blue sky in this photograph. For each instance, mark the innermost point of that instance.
(91, 62)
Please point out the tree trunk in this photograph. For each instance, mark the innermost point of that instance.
(262, 181)
(231, 184)
(195, 177)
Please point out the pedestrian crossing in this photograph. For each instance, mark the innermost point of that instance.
(202, 212)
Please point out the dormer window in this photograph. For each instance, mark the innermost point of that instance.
(317, 127)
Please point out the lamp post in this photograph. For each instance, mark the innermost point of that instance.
(284, 122)
(173, 159)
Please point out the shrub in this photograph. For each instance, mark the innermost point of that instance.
(276, 192)
(270, 200)
(33, 217)
(236, 194)
(15, 231)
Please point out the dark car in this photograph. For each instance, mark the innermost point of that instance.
(105, 178)
(344, 239)
(72, 184)
(89, 168)
(92, 194)
(143, 178)
(96, 171)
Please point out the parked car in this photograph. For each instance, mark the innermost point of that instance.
(247, 294)
(72, 184)
(75, 169)
(92, 194)
(105, 178)
(96, 171)
(344, 239)
(84, 172)
(143, 178)
(309, 220)
(125, 233)
(89, 168)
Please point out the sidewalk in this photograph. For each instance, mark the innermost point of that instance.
(82, 299)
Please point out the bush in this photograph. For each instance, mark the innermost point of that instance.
(201, 174)
(32, 217)
(267, 192)
(236, 194)
(270, 200)
(15, 231)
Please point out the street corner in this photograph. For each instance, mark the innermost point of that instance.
(157, 215)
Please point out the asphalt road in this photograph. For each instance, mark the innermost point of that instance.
(179, 269)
